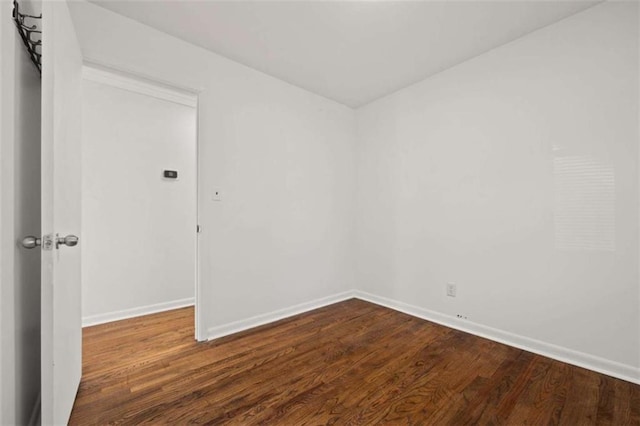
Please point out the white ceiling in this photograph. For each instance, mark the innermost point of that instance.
(350, 51)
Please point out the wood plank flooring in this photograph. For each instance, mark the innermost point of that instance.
(352, 363)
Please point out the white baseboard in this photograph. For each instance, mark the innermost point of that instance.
(136, 312)
(570, 356)
(34, 419)
(580, 359)
(258, 320)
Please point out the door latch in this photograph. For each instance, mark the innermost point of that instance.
(47, 242)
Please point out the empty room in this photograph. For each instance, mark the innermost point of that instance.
(319, 212)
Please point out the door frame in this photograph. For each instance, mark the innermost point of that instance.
(150, 86)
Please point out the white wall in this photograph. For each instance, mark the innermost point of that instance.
(138, 228)
(284, 159)
(514, 175)
(19, 216)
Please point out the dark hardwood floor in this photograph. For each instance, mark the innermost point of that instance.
(352, 363)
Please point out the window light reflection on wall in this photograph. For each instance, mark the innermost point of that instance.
(584, 204)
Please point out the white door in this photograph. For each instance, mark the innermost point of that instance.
(61, 100)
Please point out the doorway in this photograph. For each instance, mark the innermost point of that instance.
(139, 197)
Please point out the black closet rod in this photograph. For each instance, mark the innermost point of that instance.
(29, 34)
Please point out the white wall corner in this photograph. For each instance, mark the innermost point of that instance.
(559, 353)
(90, 320)
(258, 320)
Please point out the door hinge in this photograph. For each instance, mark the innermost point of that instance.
(198, 229)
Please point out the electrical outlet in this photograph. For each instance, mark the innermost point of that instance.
(451, 290)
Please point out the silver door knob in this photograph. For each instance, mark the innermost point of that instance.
(30, 242)
(69, 241)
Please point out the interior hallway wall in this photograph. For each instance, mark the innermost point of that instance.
(514, 175)
(138, 228)
(282, 158)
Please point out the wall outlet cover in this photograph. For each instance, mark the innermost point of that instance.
(451, 290)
